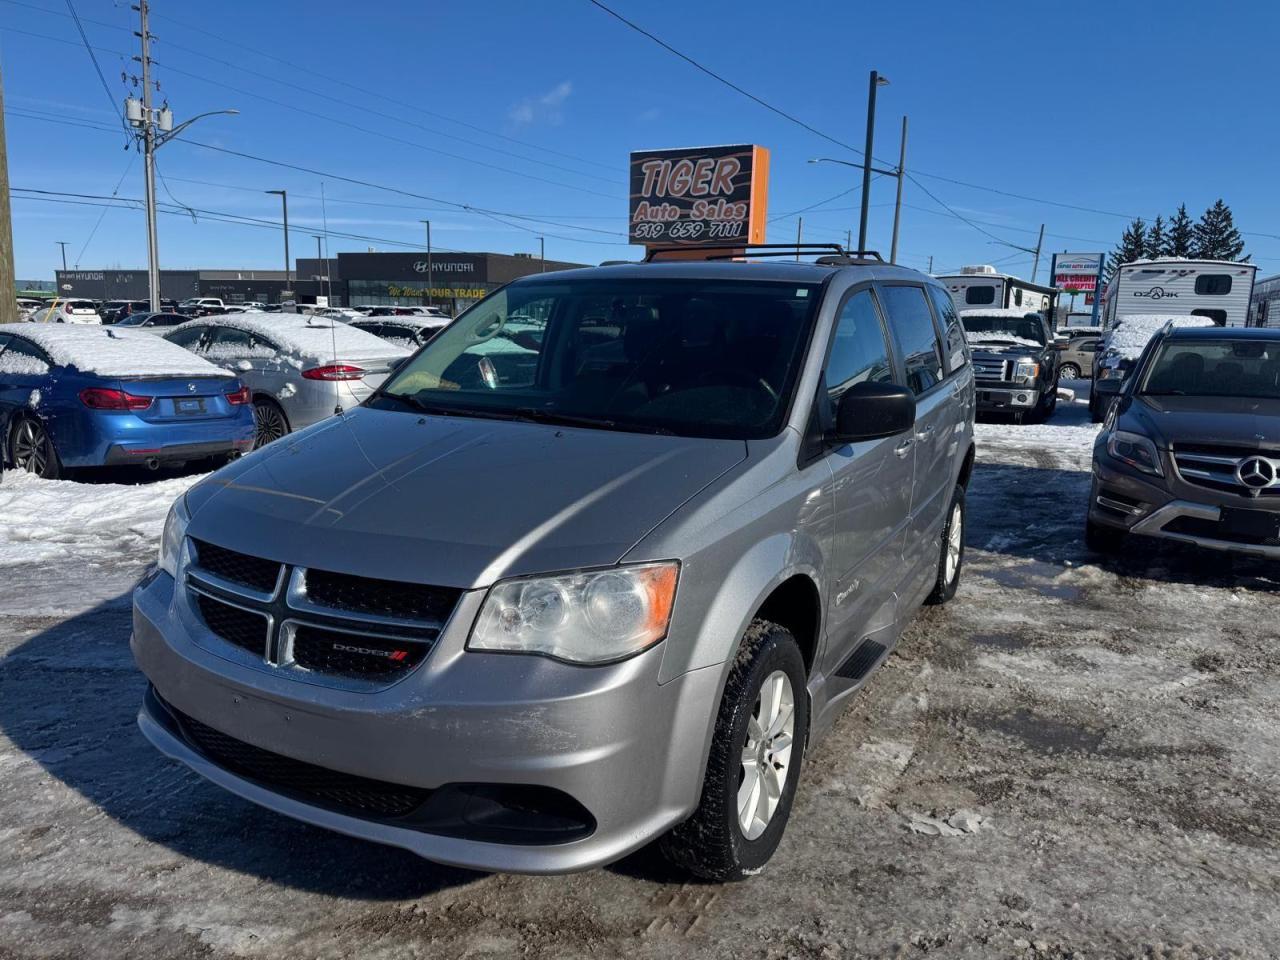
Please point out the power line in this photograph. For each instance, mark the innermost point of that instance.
(115, 193)
(106, 88)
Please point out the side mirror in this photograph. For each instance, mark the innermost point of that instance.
(872, 411)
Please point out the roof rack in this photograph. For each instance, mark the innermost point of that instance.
(835, 255)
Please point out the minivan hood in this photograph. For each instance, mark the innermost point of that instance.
(1233, 421)
(452, 501)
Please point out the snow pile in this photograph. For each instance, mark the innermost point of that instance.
(316, 339)
(116, 353)
(957, 825)
(22, 365)
(976, 338)
(1019, 312)
(65, 547)
(1134, 331)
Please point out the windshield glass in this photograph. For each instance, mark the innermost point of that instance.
(695, 358)
(997, 329)
(1216, 368)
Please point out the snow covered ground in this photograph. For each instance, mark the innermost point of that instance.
(1075, 758)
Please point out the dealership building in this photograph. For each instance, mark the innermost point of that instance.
(451, 280)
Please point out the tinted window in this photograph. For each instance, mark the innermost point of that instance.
(188, 338)
(1017, 298)
(1216, 368)
(859, 352)
(1213, 284)
(166, 320)
(957, 349)
(980, 296)
(915, 335)
(1217, 316)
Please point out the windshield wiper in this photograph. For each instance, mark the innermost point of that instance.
(435, 410)
(540, 415)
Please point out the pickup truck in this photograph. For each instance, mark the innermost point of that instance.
(201, 306)
(1015, 362)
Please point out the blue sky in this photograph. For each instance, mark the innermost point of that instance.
(531, 109)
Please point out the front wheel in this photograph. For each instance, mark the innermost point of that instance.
(31, 449)
(952, 558)
(1069, 371)
(754, 764)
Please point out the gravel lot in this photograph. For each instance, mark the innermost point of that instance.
(1074, 759)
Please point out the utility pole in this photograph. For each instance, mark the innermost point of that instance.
(848, 239)
(431, 296)
(799, 229)
(319, 254)
(876, 82)
(542, 252)
(149, 159)
(1035, 267)
(284, 203)
(63, 245)
(897, 205)
(931, 264)
(8, 282)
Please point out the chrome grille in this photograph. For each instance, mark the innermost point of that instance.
(316, 624)
(1219, 467)
(984, 369)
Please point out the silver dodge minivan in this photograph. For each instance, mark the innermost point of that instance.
(595, 567)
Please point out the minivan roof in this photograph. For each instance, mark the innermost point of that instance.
(784, 271)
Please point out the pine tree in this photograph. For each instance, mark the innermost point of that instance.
(1182, 235)
(1157, 244)
(1216, 235)
(1133, 246)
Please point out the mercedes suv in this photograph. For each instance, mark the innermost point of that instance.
(594, 567)
(1191, 449)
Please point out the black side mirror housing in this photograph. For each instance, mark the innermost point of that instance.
(873, 411)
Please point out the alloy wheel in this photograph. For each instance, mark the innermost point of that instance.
(269, 422)
(31, 448)
(1069, 372)
(766, 755)
(955, 543)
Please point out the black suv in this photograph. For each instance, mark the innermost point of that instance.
(1015, 361)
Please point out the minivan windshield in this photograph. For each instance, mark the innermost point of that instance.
(994, 328)
(1215, 368)
(689, 357)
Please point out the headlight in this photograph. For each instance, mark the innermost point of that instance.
(590, 617)
(1136, 450)
(175, 530)
(1026, 370)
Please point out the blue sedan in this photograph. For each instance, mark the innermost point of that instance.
(83, 396)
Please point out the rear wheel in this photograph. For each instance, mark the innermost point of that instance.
(270, 421)
(754, 764)
(31, 449)
(952, 559)
(1069, 371)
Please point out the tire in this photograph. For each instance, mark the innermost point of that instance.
(1103, 539)
(31, 449)
(1069, 371)
(713, 843)
(270, 421)
(951, 560)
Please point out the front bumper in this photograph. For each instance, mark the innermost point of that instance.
(1144, 507)
(1007, 398)
(628, 750)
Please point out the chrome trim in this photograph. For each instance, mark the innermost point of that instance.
(296, 598)
(289, 629)
(1118, 506)
(1207, 458)
(201, 575)
(1153, 526)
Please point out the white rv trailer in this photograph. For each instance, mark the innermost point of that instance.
(1218, 289)
(1264, 311)
(981, 286)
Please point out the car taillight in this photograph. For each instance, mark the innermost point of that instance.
(100, 398)
(238, 397)
(334, 371)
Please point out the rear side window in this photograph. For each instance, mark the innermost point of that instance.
(859, 352)
(917, 339)
(955, 346)
(980, 296)
(1213, 284)
(22, 357)
(188, 338)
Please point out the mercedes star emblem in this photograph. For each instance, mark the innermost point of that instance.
(1256, 473)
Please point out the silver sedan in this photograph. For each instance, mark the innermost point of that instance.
(300, 369)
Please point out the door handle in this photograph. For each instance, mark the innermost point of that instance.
(926, 433)
(902, 449)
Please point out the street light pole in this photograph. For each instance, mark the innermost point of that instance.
(319, 254)
(284, 203)
(431, 296)
(876, 81)
(542, 252)
(897, 205)
(63, 245)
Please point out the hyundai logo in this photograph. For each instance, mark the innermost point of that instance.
(420, 266)
(1256, 473)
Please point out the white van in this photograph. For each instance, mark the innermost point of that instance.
(1218, 289)
(981, 286)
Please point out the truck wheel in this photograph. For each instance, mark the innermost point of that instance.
(952, 558)
(754, 764)
(1103, 539)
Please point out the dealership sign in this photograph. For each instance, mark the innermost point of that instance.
(699, 196)
(1077, 271)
